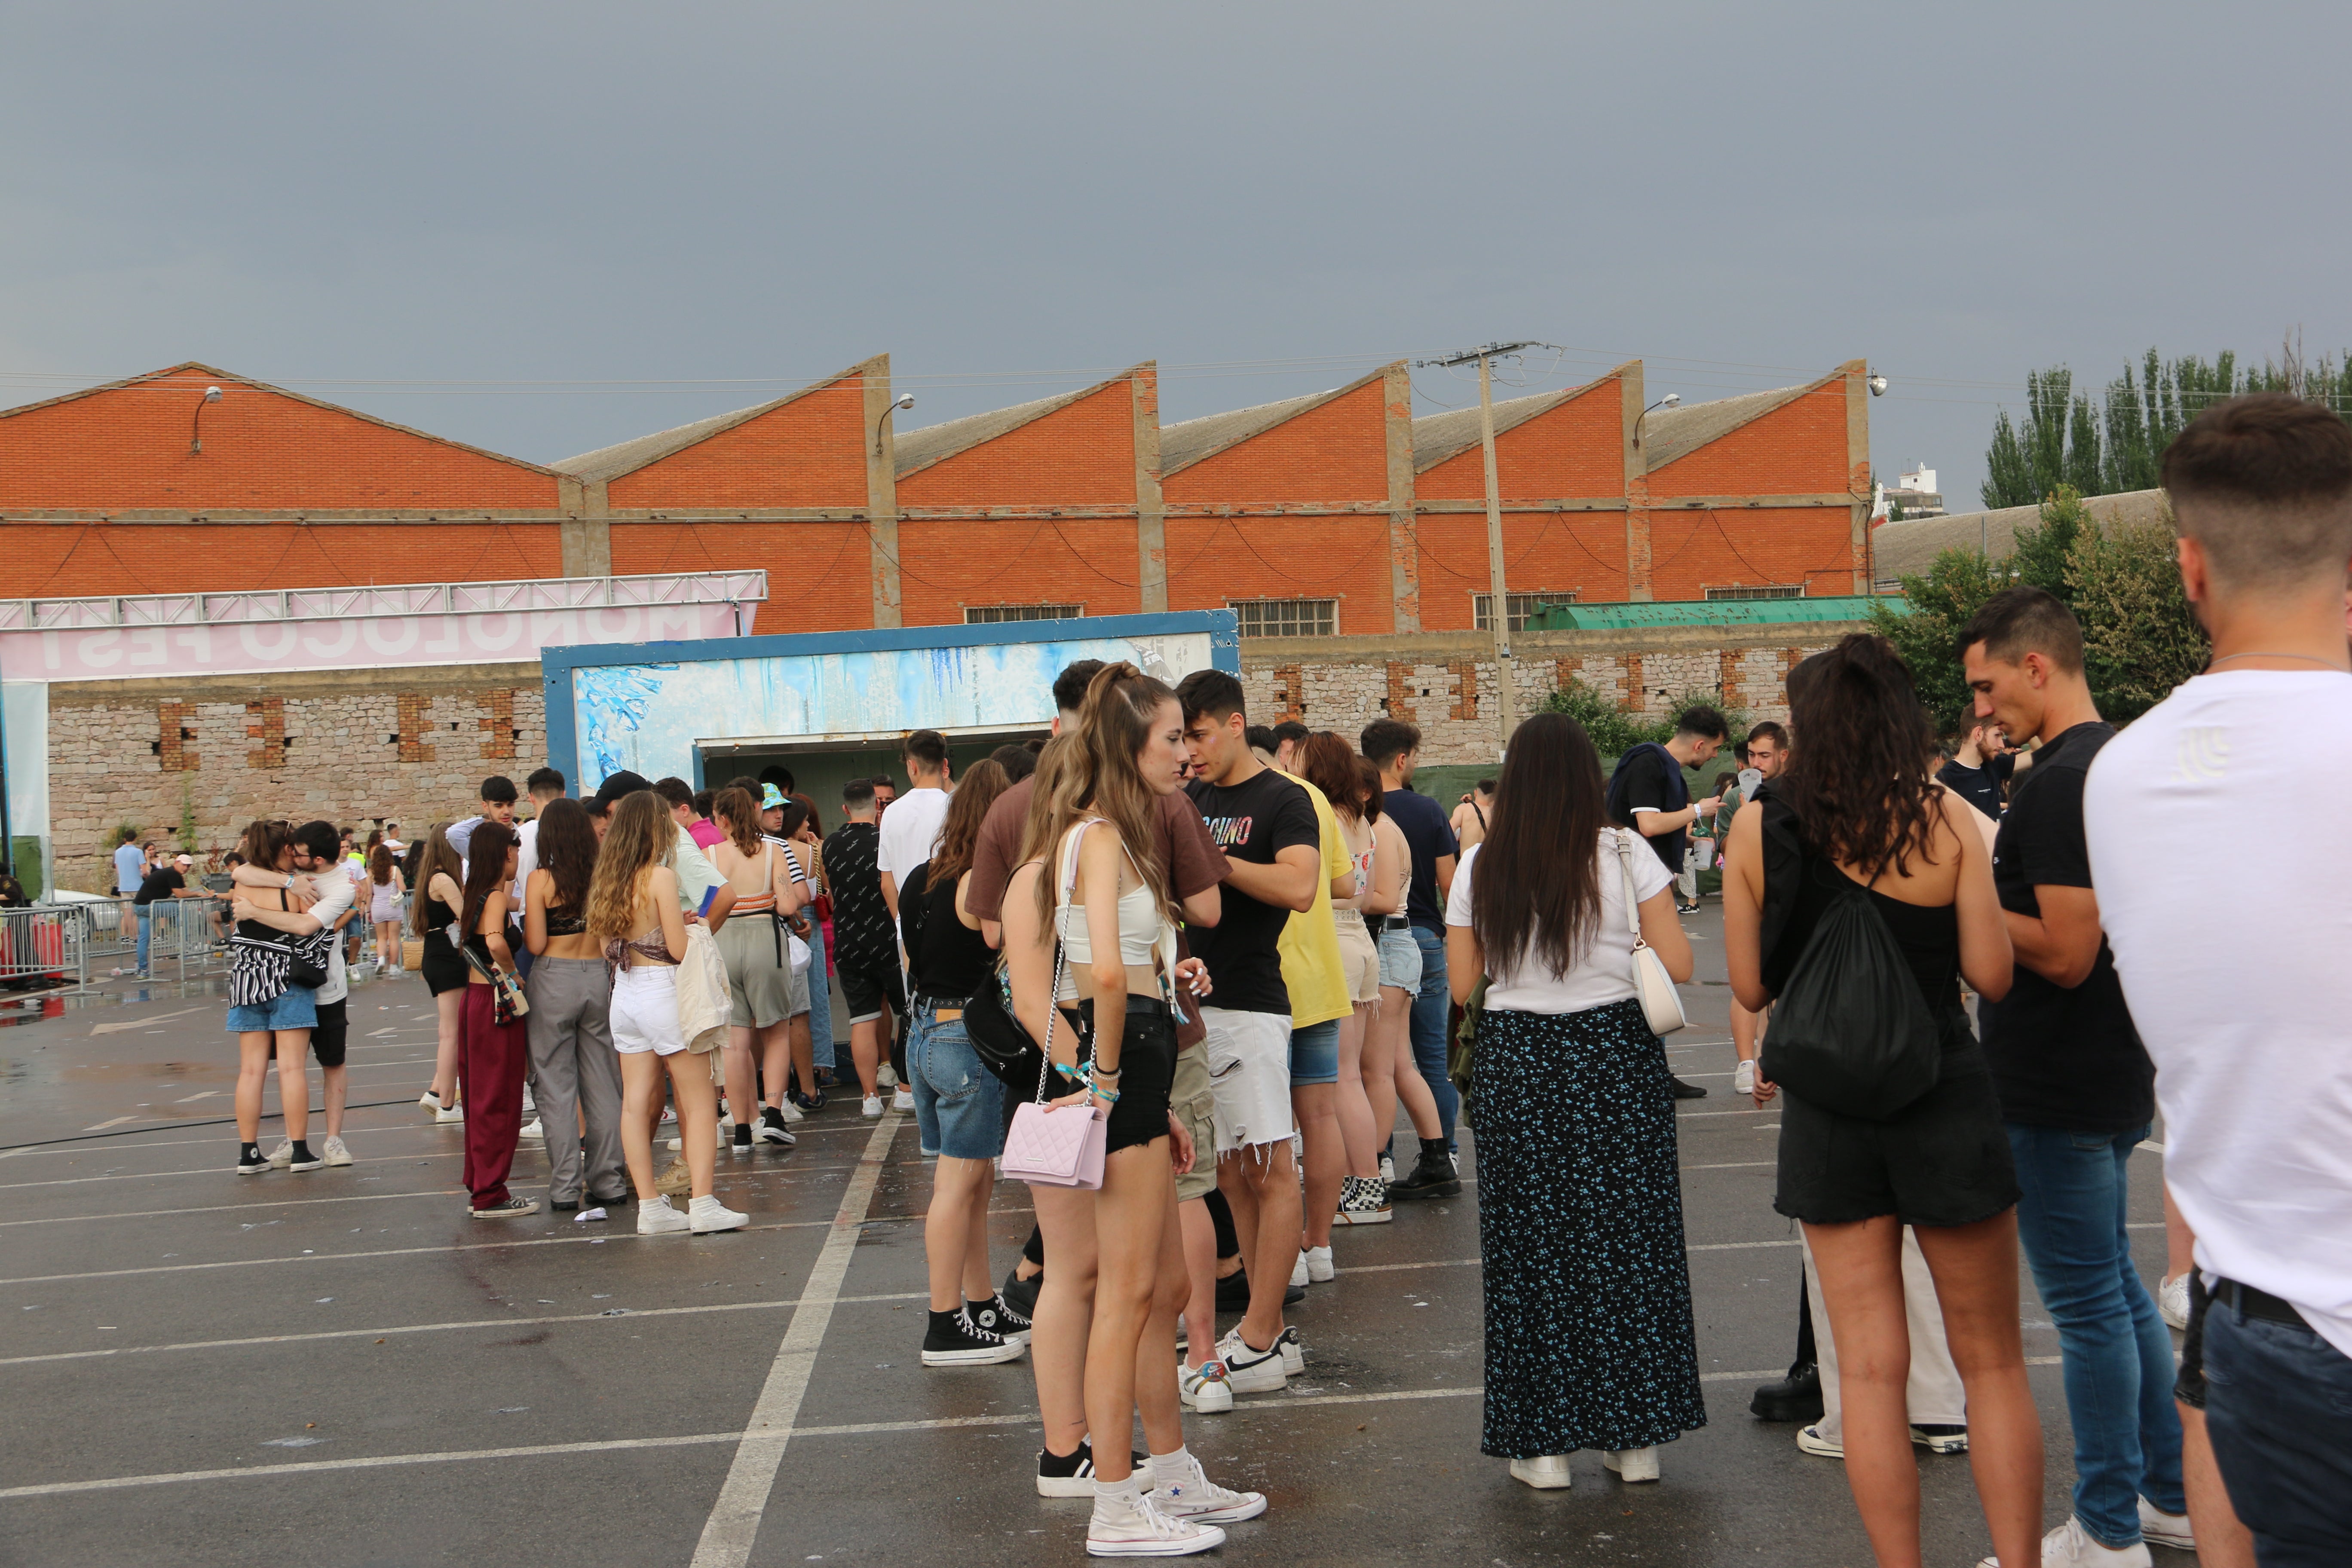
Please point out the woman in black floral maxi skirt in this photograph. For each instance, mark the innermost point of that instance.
(1588, 1335)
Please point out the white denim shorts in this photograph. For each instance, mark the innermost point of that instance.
(645, 1010)
(1249, 1072)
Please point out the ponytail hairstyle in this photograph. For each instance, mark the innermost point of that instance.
(1535, 894)
(263, 843)
(1858, 777)
(1098, 775)
(739, 813)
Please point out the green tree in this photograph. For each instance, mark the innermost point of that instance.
(1615, 731)
(1940, 603)
(2141, 636)
(2041, 552)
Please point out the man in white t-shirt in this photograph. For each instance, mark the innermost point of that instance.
(910, 828)
(2224, 896)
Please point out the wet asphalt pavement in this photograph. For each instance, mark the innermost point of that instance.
(341, 1368)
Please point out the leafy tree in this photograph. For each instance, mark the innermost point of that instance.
(2027, 462)
(2040, 554)
(1615, 731)
(2141, 636)
(1941, 602)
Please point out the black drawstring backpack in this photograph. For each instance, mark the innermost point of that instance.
(1851, 1033)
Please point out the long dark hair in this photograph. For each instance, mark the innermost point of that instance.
(1857, 775)
(379, 862)
(486, 869)
(1328, 763)
(567, 852)
(1537, 892)
(967, 809)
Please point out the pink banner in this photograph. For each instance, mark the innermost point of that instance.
(114, 653)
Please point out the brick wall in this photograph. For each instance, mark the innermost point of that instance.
(340, 745)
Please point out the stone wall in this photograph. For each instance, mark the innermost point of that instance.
(1445, 682)
(346, 745)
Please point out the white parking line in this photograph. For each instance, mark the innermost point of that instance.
(734, 1522)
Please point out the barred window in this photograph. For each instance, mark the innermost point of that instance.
(1760, 591)
(990, 615)
(1287, 617)
(1522, 606)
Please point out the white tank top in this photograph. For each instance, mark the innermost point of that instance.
(1145, 934)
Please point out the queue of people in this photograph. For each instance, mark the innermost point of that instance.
(1180, 974)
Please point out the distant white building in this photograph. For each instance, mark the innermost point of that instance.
(1915, 493)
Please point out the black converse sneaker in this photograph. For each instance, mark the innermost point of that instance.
(771, 1129)
(1072, 1474)
(954, 1340)
(999, 1314)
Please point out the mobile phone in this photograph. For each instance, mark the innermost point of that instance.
(709, 897)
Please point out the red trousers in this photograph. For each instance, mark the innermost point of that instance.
(491, 1068)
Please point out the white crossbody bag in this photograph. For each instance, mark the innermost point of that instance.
(1661, 1005)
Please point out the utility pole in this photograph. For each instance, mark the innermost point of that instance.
(1498, 614)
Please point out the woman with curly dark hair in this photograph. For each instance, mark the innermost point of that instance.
(1856, 807)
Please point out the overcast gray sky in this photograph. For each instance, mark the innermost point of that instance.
(1266, 198)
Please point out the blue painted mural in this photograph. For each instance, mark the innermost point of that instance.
(647, 717)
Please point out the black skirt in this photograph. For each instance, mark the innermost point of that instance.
(1590, 1341)
(1944, 1159)
(1147, 1065)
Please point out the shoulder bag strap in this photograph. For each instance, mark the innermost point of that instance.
(1632, 899)
(1053, 991)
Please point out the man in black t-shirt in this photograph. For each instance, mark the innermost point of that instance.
(168, 880)
(1393, 747)
(2077, 1089)
(1649, 795)
(865, 942)
(1266, 825)
(1982, 769)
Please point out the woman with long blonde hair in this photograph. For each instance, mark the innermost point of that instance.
(440, 899)
(633, 913)
(1108, 901)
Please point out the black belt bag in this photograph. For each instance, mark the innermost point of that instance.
(2256, 1303)
(1396, 922)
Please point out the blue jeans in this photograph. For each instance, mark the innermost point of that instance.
(2117, 1354)
(1430, 1007)
(821, 1004)
(959, 1104)
(2278, 1405)
(146, 913)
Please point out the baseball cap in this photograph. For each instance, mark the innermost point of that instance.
(615, 786)
(184, 860)
(770, 797)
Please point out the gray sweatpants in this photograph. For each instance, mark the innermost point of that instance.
(578, 1075)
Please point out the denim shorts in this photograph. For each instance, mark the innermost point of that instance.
(1400, 961)
(959, 1104)
(296, 1007)
(1315, 1053)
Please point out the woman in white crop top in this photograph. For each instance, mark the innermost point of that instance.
(1106, 895)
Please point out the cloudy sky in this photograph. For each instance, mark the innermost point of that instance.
(543, 227)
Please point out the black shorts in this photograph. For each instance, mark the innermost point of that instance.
(2188, 1387)
(865, 991)
(1943, 1160)
(1147, 1065)
(330, 1035)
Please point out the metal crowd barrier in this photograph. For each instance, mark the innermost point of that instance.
(93, 937)
(44, 942)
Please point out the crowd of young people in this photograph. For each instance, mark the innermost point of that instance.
(1237, 948)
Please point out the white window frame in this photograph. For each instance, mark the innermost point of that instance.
(1522, 606)
(1300, 611)
(1744, 591)
(1005, 615)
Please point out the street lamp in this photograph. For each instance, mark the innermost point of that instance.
(905, 400)
(1670, 400)
(195, 440)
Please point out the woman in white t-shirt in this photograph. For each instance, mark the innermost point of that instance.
(1588, 1310)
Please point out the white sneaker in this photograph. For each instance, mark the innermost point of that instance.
(873, 1106)
(449, 1116)
(1298, 1271)
(1205, 1388)
(1388, 1171)
(429, 1101)
(1545, 1472)
(676, 1144)
(1249, 1371)
(2158, 1528)
(2068, 1547)
(1743, 1077)
(670, 1113)
(1811, 1441)
(530, 1105)
(2172, 1301)
(902, 1098)
(791, 1112)
(1182, 1489)
(706, 1214)
(1632, 1463)
(1293, 1351)
(336, 1153)
(887, 1075)
(533, 1130)
(1320, 1270)
(657, 1218)
(1129, 1524)
(283, 1155)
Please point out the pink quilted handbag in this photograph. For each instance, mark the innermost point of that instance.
(1055, 1146)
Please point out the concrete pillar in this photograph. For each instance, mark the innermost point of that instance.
(1633, 399)
(587, 539)
(1405, 536)
(881, 489)
(1150, 512)
(1857, 461)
